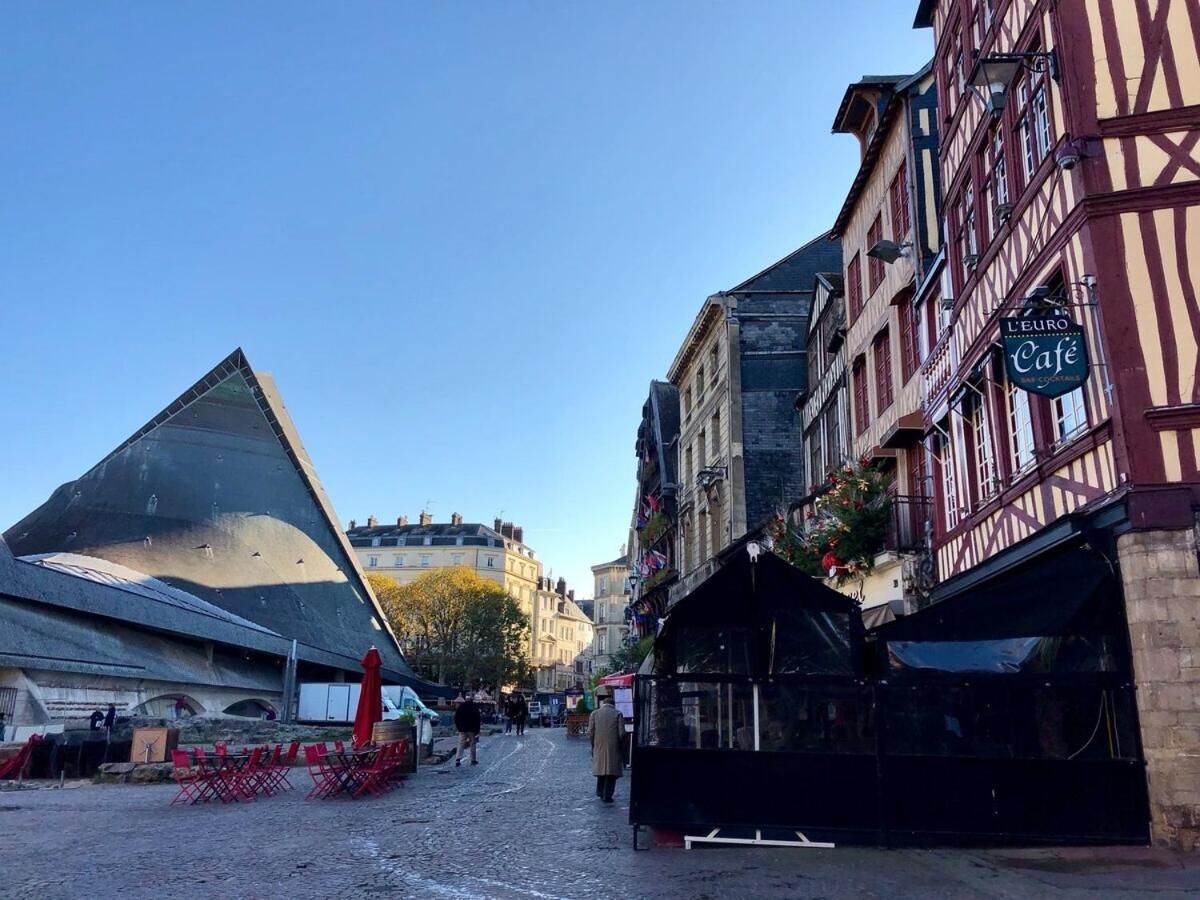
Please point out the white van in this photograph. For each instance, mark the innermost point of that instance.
(337, 702)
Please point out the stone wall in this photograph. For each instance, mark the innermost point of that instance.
(1161, 579)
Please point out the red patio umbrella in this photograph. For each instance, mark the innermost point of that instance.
(370, 702)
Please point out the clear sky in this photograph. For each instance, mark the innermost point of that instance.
(463, 237)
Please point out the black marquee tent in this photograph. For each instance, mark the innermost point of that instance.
(1004, 713)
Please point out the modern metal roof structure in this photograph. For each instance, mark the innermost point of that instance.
(211, 513)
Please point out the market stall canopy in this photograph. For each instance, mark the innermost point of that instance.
(623, 680)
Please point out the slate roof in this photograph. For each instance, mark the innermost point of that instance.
(622, 561)
(362, 535)
(216, 497)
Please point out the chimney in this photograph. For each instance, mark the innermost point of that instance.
(455, 518)
(507, 529)
(426, 518)
(497, 525)
(401, 521)
(571, 595)
(562, 587)
(519, 534)
(372, 521)
(353, 524)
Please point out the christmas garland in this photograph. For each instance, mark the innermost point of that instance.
(844, 529)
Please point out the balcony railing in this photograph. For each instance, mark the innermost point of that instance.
(906, 527)
(939, 369)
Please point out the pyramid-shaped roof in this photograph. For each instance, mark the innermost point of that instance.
(217, 496)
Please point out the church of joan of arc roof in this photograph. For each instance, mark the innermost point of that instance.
(217, 497)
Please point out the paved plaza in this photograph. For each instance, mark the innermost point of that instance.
(521, 824)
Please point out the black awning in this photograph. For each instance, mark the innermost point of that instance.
(1063, 593)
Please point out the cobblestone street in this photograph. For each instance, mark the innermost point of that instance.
(521, 824)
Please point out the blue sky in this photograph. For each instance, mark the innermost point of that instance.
(463, 237)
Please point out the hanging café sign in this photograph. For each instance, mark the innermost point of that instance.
(1044, 354)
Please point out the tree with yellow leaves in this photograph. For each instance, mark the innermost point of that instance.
(456, 627)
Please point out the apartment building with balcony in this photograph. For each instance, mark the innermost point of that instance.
(869, 399)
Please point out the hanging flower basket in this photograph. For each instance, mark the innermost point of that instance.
(845, 529)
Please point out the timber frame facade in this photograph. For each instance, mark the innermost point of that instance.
(1081, 194)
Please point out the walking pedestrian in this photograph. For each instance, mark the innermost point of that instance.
(522, 714)
(606, 733)
(110, 717)
(468, 722)
(510, 714)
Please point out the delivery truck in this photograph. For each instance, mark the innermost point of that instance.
(336, 702)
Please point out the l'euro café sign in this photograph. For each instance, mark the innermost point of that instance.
(1044, 354)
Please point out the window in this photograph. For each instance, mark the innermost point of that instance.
(875, 266)
(372, 561)
(996, 193)
(491, 561)
(602, 586)
(816, 461)
(945, 464)
(701, 450)
(700, 383)
(1070, 415)
(862, 410)
(601, 643)
(425, 560)
(687, 402)
(714, 360)
(854, 287)
(1032, 120)
(985, 455)
(398, 561)
(456, 559)
(687, 466)
(1020, 429)
(882, 350)
(899, 197)
(968, 246)
(714, 428)
(918, 485)
(833, 435)
(910, 354)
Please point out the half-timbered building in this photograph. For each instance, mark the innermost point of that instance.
(1071, 177)
(889, 230)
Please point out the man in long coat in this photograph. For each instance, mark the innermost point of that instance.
(606, 732)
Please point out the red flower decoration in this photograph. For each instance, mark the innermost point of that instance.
(830, 561)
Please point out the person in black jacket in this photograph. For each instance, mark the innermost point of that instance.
(467, 721)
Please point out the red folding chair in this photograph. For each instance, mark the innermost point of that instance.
(244, 783)
(339, 746)
(220, 748)
(269, 771)
(374, 778)
(285, 766)
(190, 780)
(325, 778)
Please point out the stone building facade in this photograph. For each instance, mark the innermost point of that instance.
(610, 611)
(740, 457)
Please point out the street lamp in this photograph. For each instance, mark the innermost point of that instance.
(996, 72)
(889, 251)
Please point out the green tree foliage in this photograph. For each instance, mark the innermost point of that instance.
(457, 627)
(628, 659)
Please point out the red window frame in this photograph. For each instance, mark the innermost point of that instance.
(910, 352)
(881, 350)
(875, 266)
(862, 408)
(901, 222)
(854, 287)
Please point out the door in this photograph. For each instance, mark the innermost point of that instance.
(338, 706)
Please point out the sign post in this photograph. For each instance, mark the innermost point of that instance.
(1044, 354)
